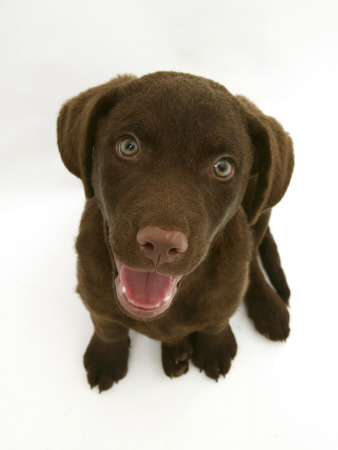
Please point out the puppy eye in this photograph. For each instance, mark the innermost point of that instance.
(128, 147)
(224, 168)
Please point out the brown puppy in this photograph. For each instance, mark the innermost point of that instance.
(180, 178)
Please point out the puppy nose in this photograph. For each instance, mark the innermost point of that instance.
(161, 246)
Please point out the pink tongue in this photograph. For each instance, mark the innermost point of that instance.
(145, 289)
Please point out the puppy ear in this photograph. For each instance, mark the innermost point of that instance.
(273, 161)
(76, 126)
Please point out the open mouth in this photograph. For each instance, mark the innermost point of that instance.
(144, 294)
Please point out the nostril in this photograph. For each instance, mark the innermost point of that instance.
(173, 251)
(148, 245)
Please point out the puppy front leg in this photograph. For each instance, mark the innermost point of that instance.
(106, 357)
(213, 350)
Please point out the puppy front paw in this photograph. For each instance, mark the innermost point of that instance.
(175, 357)
(213, 353)
(106, 363)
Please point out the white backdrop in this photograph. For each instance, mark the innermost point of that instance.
(283, 55)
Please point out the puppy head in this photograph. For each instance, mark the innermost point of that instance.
(173, 158)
